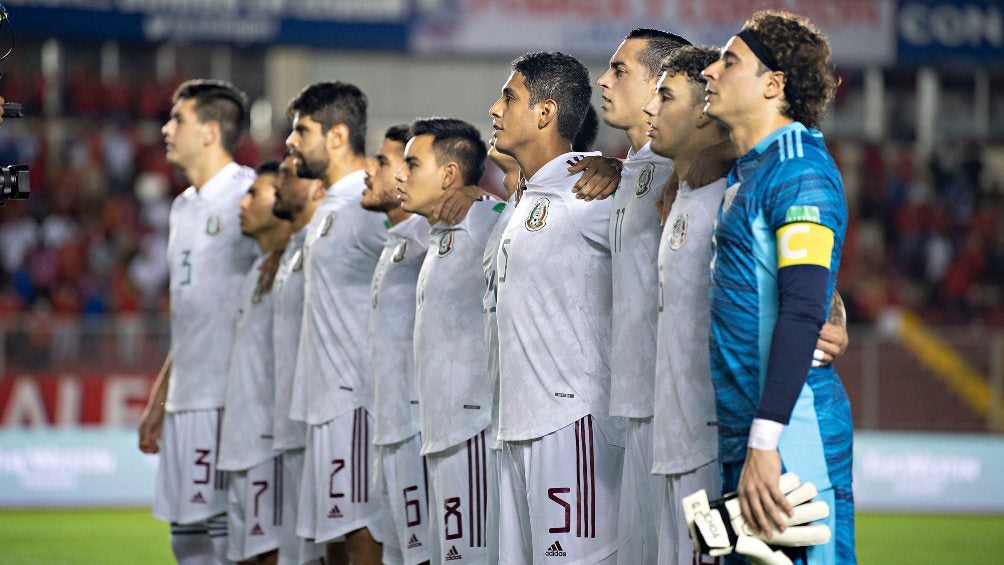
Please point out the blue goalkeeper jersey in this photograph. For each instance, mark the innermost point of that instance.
(785, 197)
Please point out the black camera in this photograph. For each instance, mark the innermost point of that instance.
(14, 182)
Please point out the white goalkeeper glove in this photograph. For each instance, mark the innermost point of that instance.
(718, 527)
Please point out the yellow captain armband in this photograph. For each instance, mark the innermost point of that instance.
(804, 243)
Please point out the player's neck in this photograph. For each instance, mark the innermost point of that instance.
(747, 133)
(303, 218)
(397, 215)
(341, 166)
(200, 173)
(534, 156)
(637, 136)
(274, 238)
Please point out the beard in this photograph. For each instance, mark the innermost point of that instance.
(313, 169)
(286, 210)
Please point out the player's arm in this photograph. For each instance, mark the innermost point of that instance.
(600, 177)
(664, 203)
(711, 164)
(152, 421)
(833, 338)
(804, 251)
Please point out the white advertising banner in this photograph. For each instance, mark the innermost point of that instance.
(860, 31)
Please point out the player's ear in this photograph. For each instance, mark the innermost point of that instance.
(210, 132)
(774, 84)
(336, 137)
(547, 113)
(451, 175)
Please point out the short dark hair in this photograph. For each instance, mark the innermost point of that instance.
(267, 168)
(559, 77)
(333, 103)
(587, 133)
(802, 53)
(660, 45)
(690, 61)
(399, 133)
(219, 101)
(457, 141)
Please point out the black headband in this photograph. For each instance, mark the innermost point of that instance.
(752, 40)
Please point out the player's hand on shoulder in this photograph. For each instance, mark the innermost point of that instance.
(453, 205)
(712, 164)
(832, 343)
(664, 203)
(762, 503)
(600, 177)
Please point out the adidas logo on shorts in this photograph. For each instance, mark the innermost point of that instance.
(555, 550)
(198, 499)
(257, 531)
(413, 542)
(453, 554)
(334, 512)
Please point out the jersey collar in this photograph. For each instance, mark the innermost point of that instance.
(415, 228)
(765, 149)
(215, 187)
(348, 186)
(557, 168)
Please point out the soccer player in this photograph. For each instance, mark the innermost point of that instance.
(400, 468)
(453, 390)
(776, 254)
(332, 368)
(296, 200)
(256, 511)
(208, 258)
(562, 453)
(634, 243)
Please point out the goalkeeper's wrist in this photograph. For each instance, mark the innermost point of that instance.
(765, 434)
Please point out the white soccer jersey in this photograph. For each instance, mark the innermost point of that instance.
(392, 326)
(553, 309)
(246, 432)
(634, 251)
(453, 390)
(208, 258)
(287, 292)
(341, 253)
(489, 265)
(684, 435)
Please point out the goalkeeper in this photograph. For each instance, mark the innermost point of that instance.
(776, 253)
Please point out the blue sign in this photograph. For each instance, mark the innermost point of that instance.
(352, 24)
(53, 467)
(950, 31)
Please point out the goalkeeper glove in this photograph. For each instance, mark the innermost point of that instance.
(718, 528)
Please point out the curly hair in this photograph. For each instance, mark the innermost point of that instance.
(690, 61)
(802, 53)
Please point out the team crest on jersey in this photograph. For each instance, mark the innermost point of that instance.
(402, 248)
(328, 222)
(645, 180)
(445, 244)
(298, 260)
(678, 235)
(730, 195)
(538, 215)
(214, 225)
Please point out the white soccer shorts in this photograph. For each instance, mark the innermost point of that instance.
(256, 510)
(404, 481)
(675, 545)
(641, 497)
(189, 487)
(335, 494)
(559, 497)
(458, 498)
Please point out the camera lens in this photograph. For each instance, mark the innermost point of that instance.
(14, 182)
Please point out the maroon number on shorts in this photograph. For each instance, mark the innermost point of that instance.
(410, 505)
(452, 507)
(339, 464)
(262, 487)
(201, 461)
(553, 493)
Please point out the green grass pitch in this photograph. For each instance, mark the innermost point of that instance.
(110, 537)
